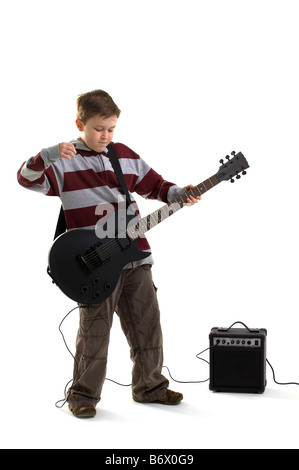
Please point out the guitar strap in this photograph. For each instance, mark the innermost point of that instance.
(61, 224)
(118, 171)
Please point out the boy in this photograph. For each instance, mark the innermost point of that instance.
(80, 173)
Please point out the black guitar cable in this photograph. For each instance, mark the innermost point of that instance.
(280, 383)
(61, 403)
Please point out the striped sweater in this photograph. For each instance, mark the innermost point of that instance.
(88, 180)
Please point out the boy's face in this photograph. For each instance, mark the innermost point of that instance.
(97, 132)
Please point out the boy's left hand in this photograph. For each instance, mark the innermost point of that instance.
(191, 200)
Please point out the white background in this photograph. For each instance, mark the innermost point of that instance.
(194, 80)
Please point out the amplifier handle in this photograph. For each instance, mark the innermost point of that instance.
(252, 330)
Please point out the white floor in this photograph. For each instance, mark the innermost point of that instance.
(204, 420)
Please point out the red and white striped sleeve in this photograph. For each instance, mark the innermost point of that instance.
(142, 179)
(39, 175)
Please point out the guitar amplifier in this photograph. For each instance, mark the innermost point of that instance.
(238, 360)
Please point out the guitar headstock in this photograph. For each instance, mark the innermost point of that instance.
(232, 167)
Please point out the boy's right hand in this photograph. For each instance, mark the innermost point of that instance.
(67, 150)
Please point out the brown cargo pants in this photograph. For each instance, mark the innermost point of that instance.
(135, 301)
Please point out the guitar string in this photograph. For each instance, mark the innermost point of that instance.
(141, 227)
(109, 249)
(143, 223)
(204, 186)
(104, 250)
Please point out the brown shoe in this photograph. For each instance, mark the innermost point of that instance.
(170, 398)
(87, 411)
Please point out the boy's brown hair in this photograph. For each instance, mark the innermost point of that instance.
(96, 102)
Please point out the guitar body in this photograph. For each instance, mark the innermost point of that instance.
(87, 268)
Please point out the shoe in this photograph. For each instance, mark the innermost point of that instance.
(170, 398)
(84, 411)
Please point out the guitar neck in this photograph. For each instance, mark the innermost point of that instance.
(148, 222)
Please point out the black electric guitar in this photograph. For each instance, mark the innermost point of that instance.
(86, 264)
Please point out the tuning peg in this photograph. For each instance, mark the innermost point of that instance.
(221, 161)
(233, 153)
(244, 172)
(238, 177)
(227, 157)
(232, 180)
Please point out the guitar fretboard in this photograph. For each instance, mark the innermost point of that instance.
(153, 219)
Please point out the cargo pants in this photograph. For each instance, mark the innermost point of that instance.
(135, 302)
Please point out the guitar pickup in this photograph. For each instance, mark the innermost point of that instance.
(124, 243)
(93, 258)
